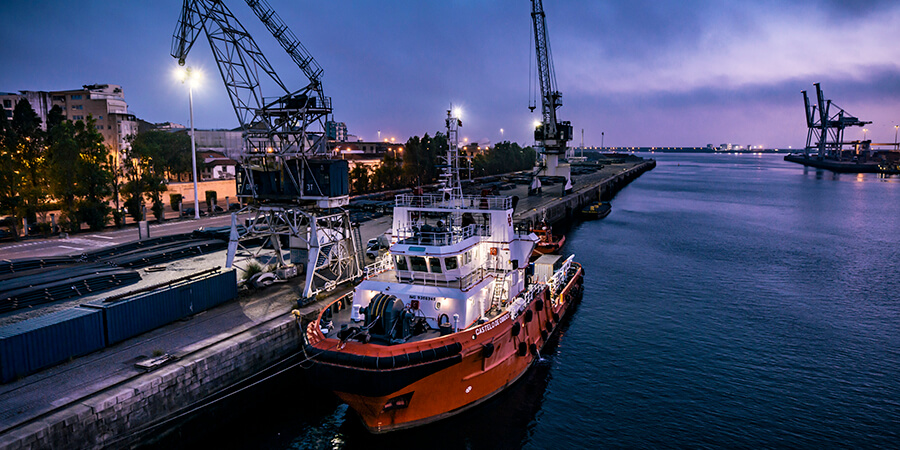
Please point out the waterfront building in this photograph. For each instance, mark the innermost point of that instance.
(104, 102)
(216, 166)
(336, 131)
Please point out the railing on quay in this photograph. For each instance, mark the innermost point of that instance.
(464, 202)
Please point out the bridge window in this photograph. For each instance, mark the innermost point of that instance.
(418, 264)
(451, 263)
(435, 264)
(401, 262)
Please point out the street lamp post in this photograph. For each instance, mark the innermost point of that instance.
(188, 76)
(865, 133)
(895, 134)
(602, 136)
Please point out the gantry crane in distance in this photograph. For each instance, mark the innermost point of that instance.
(551, 136)
(294, 193)
(825, 133)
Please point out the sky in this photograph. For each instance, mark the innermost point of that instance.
(632, 73)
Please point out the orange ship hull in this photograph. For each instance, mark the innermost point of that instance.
(548, 247)
(407, 385)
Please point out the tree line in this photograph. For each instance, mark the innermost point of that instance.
(418, 164)
(68, 168)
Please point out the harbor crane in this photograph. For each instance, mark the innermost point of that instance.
(293, 193)
(826, 126)
(550, 135)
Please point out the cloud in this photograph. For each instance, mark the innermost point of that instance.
(772, 47)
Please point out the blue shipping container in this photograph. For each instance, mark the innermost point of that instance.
(212, 291)
(135, 315)
(132, 316)
(44, 341)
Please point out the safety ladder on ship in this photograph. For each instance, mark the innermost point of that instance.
(500, 291)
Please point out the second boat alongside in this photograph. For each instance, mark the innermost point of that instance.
(596, 210)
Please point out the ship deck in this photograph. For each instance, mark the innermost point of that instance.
(342, 318)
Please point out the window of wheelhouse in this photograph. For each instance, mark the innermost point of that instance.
(417, 263)
(435, 264)
(401, 262)
(451, 263)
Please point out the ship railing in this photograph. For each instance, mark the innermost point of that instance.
(559, 278)
(382, 263)
(436, 279)
(416, 236)
(464, 202)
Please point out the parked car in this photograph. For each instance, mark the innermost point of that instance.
(376, 250)
(189, 212)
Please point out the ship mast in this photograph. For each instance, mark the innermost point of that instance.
(450, 182)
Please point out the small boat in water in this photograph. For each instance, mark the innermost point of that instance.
(445, 320)
(596, 210)
(547, 243)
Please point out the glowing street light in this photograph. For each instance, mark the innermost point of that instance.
(191, 77)
(895, 133)
(865, 133)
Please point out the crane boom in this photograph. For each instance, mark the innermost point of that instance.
(551, 135)
(283, 172)
(551, 98)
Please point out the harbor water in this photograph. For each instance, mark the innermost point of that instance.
(731, 300)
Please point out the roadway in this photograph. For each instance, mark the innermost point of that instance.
(87, 241)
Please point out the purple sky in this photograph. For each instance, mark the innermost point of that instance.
(645, 72)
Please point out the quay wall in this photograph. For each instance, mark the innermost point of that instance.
(565, 208)
(113, 418)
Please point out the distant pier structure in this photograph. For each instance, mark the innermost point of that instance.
(826, 122)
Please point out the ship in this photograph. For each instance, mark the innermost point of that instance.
(449, 317)
(547, 242)
(596, 210)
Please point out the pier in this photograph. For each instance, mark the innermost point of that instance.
(126, 393)
(834, 165)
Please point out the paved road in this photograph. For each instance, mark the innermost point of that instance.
(87, 241)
